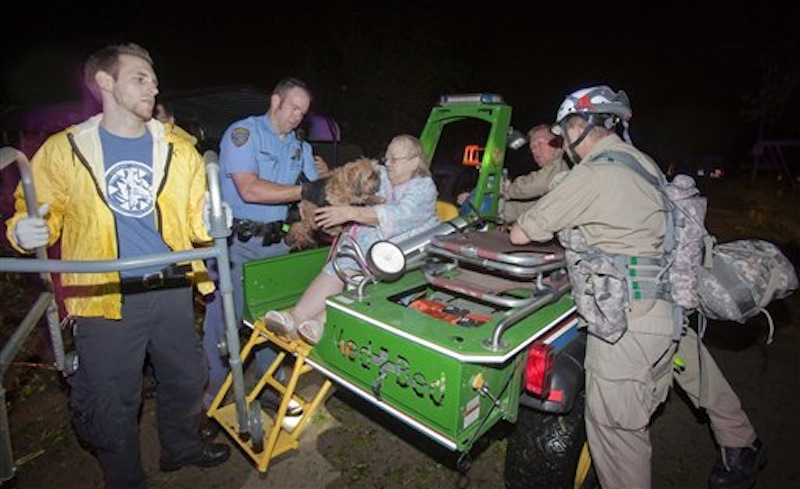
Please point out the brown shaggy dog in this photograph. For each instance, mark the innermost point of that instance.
(354, 183)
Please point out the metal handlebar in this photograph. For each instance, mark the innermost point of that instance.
(9, 155)
(46, 302)
(347, 247)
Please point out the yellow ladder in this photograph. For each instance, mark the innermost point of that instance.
(279, 439)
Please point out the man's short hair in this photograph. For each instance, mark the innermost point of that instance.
(288, 83)
(537, 128)
(107, 59)
(166, 107)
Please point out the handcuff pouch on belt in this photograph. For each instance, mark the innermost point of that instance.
(270, 232)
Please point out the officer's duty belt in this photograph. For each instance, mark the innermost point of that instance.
(270, 232)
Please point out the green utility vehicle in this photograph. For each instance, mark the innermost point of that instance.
(455, 330)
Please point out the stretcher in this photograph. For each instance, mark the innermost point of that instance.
(440, 348)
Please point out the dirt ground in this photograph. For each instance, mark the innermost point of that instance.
(350, 444)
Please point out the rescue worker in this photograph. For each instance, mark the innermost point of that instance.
(521, 193)
(606, 213)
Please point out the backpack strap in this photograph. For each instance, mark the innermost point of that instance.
(629, 161)
(659, 181)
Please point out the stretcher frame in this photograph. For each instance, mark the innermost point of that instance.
(276, 284)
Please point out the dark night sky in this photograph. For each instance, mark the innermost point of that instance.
(686, 69)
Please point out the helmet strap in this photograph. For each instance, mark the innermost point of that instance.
(574, 144)
(625, 136)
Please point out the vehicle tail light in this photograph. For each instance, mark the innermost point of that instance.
(538, 370)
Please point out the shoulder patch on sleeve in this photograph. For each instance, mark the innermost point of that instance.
(240, 136)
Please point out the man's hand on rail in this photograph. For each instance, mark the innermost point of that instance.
(32, 232)
(226, 211)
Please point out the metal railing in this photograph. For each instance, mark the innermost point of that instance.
(46, 304)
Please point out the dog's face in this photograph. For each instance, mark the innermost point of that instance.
(364, 177)
(353, 183)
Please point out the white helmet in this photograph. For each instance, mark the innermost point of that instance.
(600, 100)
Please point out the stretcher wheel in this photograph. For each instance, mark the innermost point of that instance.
(256, 427)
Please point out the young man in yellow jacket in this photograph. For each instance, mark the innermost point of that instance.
(112, 187)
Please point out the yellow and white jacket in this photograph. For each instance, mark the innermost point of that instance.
(68, 174)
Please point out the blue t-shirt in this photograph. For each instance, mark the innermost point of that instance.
(132, 197)
(252, 145)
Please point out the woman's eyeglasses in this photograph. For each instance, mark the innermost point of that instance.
(387, 159)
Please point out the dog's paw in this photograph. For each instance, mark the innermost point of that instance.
(300, 236)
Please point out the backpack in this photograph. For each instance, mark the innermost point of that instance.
(603, 284)
(685, 237)
(744, 277)
(731, 281)
(600, 287)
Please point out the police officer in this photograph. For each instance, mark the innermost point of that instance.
(261, 159)
(602, 208)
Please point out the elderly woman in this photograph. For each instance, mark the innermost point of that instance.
(410, 208)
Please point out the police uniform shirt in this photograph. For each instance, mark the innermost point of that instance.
(252, 145)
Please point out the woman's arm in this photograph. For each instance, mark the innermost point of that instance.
(412, 210)
(327, 217)
(411, 207)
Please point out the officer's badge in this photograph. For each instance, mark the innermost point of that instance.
(240, 136)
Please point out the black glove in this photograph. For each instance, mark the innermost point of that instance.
(314, 192)
(294, 213)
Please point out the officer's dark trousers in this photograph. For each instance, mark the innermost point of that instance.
(106, 391)
(214, 326)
